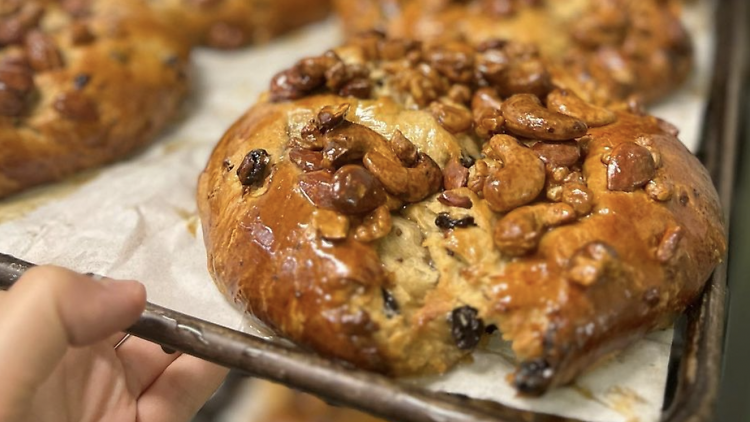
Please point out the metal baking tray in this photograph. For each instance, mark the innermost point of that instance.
(696, 358)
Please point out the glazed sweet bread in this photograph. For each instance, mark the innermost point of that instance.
(86, 82)
(605, 50)
(385, 204)
(78, 91)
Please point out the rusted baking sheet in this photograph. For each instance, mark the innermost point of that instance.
(696, 354)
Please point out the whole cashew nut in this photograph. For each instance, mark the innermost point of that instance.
(526, 116)
(519, 232)
(568, 103)
(349, 142)
(519, 181)
(410, 184)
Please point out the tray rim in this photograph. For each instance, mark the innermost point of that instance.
(699, 368)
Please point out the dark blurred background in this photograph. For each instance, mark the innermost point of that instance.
(734, 401)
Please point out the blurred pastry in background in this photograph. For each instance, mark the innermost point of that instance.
(611, 50)
(87, 82)
(268, 402)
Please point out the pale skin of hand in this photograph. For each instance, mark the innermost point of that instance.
(58, 330)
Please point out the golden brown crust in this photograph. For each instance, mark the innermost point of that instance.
(606, 50)
(389, 230)
(97, 87)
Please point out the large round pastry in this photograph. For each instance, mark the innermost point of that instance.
(388, 204)
(607, 50)
(78, 90)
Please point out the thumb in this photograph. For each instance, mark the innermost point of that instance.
(48, 310)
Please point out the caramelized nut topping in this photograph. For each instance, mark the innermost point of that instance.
(411, 184)
(455, 119)
(660, 189)
(518, 181)
(669, 243)
(42, 52)
(525, 77)
(591, 263)
(16, 78)
(455, 175)
(329, 224)
(252, 171)
(454, 60)
(404, 149)
(357, 88)
(348, 143)
(307, 160)
(578, 196)
(630, 167)
(14, 27)
(75, 105)
(313, 73)
(375, 226)
(525, 116)
(488, 123)
(519, 232)
(568, 103)
(486, 98)
(330, 117)
(558, 153)
(454, 199)
(317, 186)
(356, 191)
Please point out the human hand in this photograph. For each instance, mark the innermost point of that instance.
(58, 330)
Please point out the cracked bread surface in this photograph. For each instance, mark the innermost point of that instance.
(388, 207)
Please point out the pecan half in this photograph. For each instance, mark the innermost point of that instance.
(519, 232)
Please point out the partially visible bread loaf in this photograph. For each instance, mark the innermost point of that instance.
(608, 50)
(384, 206)
(78, 91)
(276, 403)
(87, 82)
(229, 24)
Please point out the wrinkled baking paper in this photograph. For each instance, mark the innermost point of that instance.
(137, 220)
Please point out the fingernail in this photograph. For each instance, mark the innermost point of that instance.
(168, 351)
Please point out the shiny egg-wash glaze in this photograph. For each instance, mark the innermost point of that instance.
(383, 205)
(604, 49)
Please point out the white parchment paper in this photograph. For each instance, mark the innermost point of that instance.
(137, 220)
